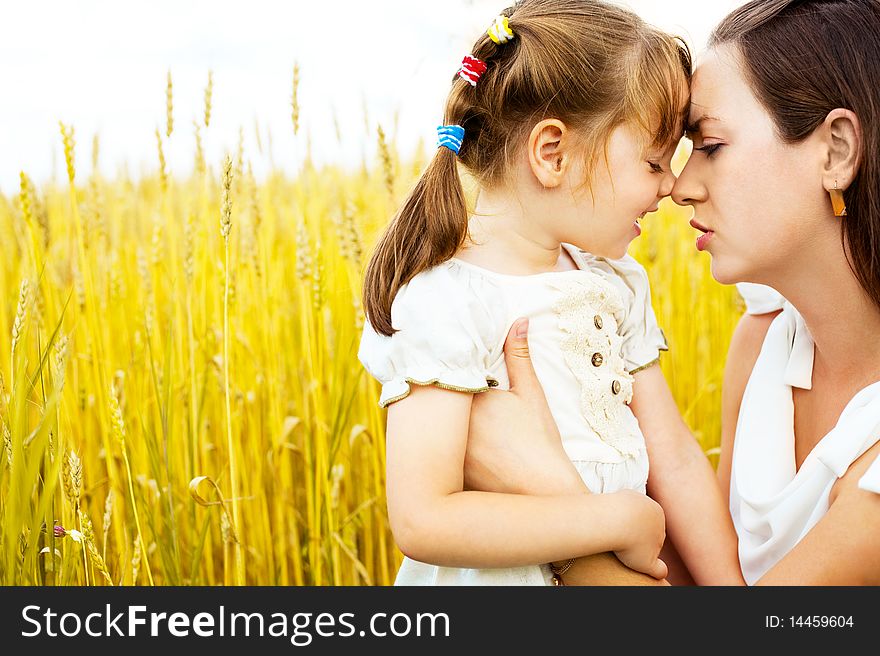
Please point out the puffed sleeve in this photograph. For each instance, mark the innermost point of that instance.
(443, 330)
(760, 299)
(643, 339)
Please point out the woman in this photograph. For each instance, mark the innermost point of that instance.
(785, 183)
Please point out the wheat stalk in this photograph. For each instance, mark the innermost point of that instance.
(294, 99)
(303, 252)
(7, 442)
(169, 106)
(387, 165)
(108, 517)
(72, 471)
(69, 145)
(118, 426)
(25, 198)
(225, 227)
(200, 153)
(89, 543)
(95, 151)
(163, 174)
(208, 91)
(135, 561)
(18, 325)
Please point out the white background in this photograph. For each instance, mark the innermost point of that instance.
(102, 66)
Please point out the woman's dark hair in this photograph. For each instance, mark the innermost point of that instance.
(804, 58)
(593, 65)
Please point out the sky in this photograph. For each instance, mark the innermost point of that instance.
(102, 66)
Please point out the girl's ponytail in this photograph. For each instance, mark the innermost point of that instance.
(429, 228)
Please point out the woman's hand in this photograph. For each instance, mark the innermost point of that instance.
(513, 441)
(514, 446)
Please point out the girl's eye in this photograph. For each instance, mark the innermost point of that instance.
(709, 149)
(656, 167)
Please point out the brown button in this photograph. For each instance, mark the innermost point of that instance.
(492, 382)
(615, 387)
(597, 320)
(597, 359)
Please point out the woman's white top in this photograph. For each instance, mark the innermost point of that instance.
(773, 506)
(590, 329)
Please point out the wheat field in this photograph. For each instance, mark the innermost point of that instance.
(180, 397)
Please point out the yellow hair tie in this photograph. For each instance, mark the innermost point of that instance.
(500, 31)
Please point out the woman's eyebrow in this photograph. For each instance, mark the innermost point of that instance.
(693, 127)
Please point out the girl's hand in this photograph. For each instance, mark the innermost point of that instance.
(513, 442)
(648, 533)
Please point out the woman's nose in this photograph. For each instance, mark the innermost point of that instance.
(668, 184)
(683, 191)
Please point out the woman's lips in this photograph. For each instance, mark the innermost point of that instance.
(703, 239)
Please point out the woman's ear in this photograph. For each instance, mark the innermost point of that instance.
(841, 135)
(546, 157)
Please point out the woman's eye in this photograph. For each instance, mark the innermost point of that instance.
(709, 149)
(656, 167)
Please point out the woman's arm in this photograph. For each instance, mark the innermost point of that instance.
(433, 520)
(682, 481)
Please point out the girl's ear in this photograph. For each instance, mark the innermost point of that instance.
(841, 138)
(545, 148)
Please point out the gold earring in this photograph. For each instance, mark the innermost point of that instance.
(837, 201)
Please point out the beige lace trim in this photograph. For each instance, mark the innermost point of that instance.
(606, 412)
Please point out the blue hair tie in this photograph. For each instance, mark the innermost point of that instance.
(450, 136)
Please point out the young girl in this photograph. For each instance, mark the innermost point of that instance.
(567, 114)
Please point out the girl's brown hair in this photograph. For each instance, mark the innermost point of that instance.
(590, 64)
(804, 58)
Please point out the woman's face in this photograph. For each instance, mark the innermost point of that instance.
(755, 198)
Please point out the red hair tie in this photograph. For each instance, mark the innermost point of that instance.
(471, 69)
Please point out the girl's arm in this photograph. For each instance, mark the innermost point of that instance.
(433, 520)
(742, 353)
(681, 480)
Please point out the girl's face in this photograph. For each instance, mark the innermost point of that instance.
(629, 187)
(753, 195)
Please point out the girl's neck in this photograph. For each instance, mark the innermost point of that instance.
(503, 237)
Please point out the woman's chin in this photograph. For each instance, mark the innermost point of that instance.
(724, 273)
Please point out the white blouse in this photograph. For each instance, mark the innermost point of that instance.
(772, 505)
(590, 329)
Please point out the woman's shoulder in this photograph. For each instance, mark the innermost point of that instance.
(760, 299)
(742, 354)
